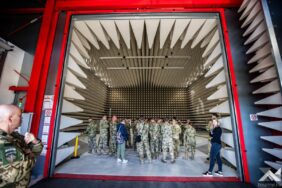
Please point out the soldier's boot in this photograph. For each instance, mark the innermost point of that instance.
(172, 161)
(105, 151)
(90, 151)
(98, 151)
(156, 155)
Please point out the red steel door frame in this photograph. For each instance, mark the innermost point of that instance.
(74, 7)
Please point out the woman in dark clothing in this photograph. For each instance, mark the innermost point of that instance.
(122, 137)
(215, 133)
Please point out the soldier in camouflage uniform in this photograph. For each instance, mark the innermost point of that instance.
(17, 153)
(134, 133)
(154, 138)
(113, 135)
(176, 130)
(131, 134)
(167, 142)
(91, 132)
(103, 141)
(143, 131)
(127, 126)
(160, 123)
(190, 140)
(182, 126)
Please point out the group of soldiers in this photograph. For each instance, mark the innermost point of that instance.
(150, 137)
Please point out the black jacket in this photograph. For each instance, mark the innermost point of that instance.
(216, 135)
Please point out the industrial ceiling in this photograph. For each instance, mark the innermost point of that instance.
(157, 52)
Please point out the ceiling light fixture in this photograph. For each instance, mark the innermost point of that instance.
(140, 68)
(144, 57)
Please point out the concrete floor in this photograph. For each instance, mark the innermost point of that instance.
(106, 165)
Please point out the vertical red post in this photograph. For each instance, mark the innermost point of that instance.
(37, 83)
(56, 94)
(236, 98)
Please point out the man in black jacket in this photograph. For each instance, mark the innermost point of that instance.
(215, 133)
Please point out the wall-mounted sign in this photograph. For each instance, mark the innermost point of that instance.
(253, 117)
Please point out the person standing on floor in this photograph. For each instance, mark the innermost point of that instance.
(91, 132)
(167, 142)
(215, 133)
(208, 128)
(17, 153)
(154, 138)
(121, 138)
(103, 141)
(127, 126)
(143, 140)
(190, 140)
(176, 131)
(113, 136)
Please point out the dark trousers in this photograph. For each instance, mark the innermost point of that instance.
(215, 155)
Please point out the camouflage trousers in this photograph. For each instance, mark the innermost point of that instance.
(168, 145)
(92, 144)
(190, 148)
(113, 145)
(141, 146)
(176, 146)
(103, 143)
(155, 147)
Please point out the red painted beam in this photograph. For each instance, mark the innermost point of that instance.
(235, 98)
(23, 11)
(37, 83)
(18, 88)
(141, 4)
(56, 94)
(146, 178)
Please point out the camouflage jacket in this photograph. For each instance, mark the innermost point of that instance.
(104, 126)
(16, 157)
(176, 130)
(143, 130)
(166, 129)
(155, 131)
(113, 129)
(190, 135)
(91, 129)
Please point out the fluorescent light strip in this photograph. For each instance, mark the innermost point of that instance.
(116, 68)
(134, 68)
(173, 67)
(144, 57)
(140, 68)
